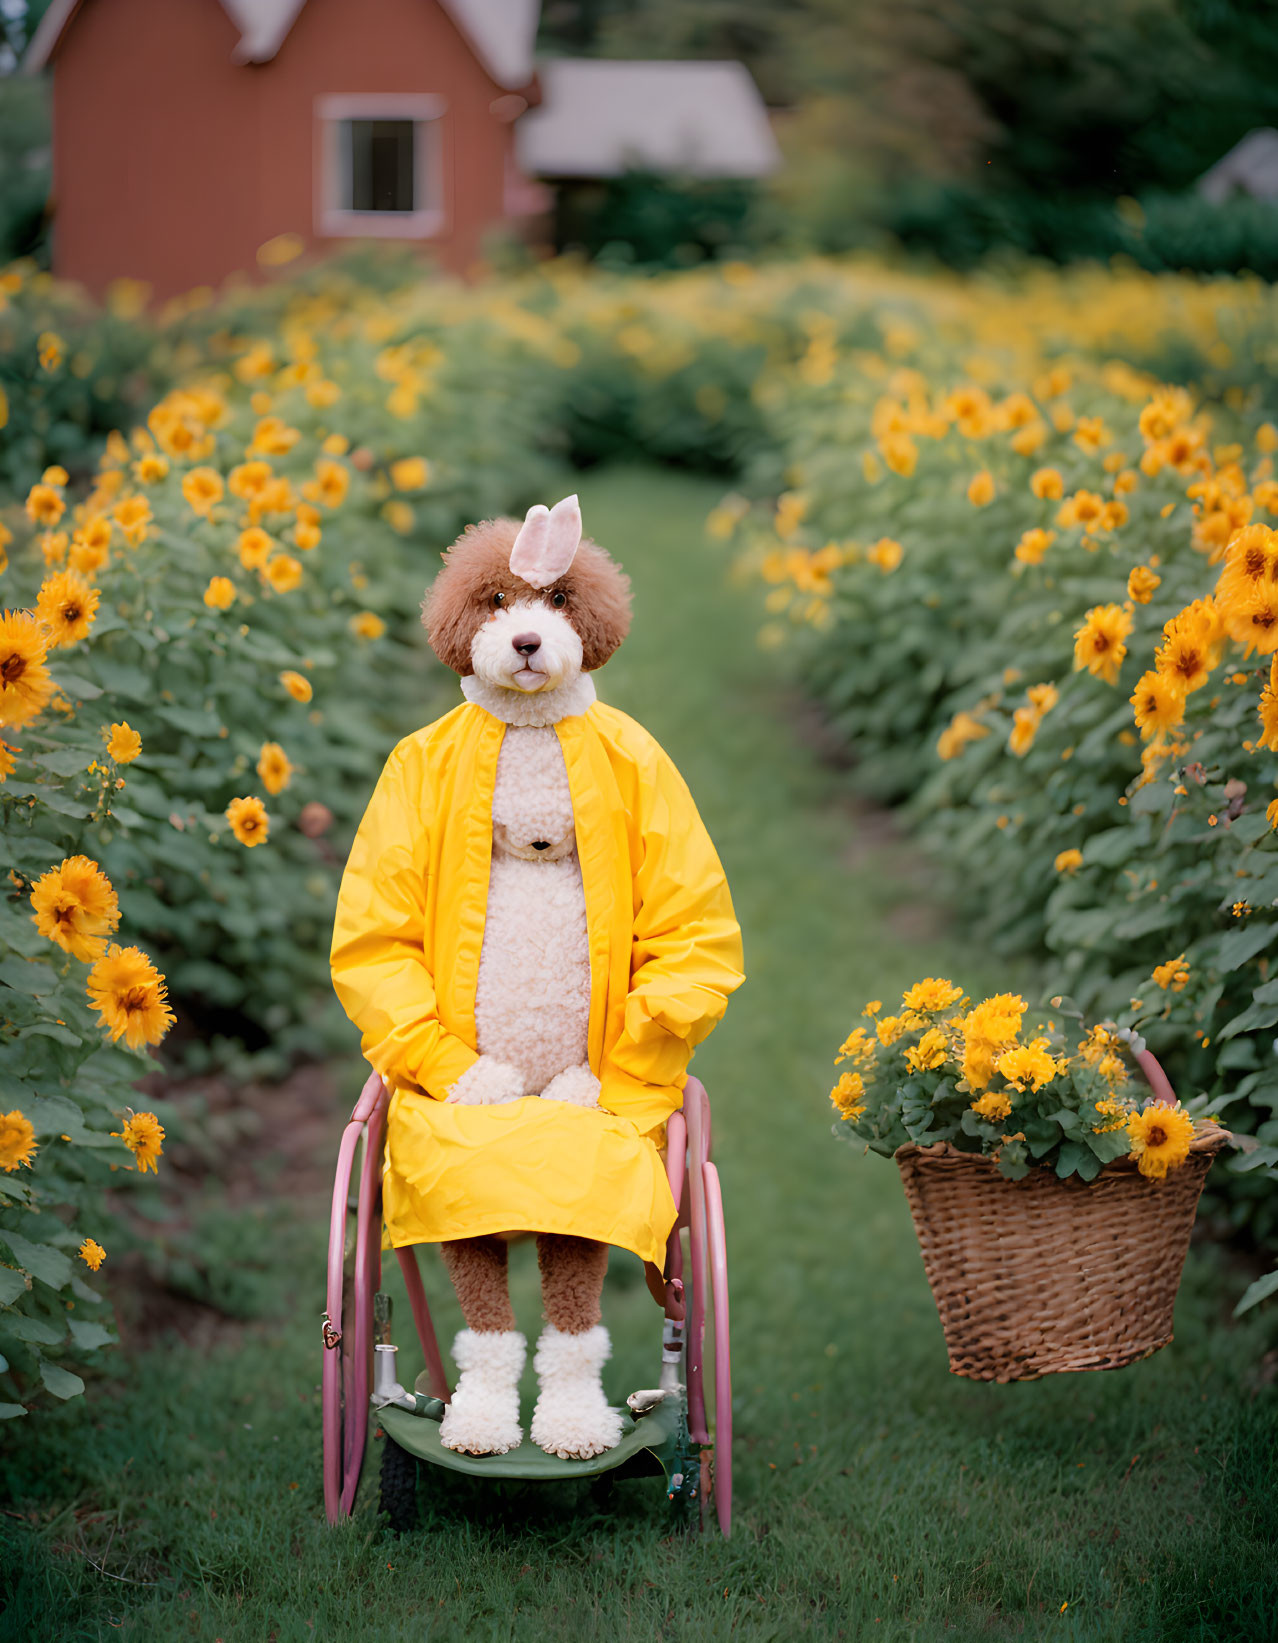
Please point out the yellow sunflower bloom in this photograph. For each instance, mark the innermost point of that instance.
(203, 488)
(886, 554)
(330, 485)
(133, 515)
(1141, 584)
(962, 729)
(1068, 861)
(220, 593)
(1033, 545)
(1159, 706)
(123, 744)
(17, 1140)
(367, 625)
(1185, 655)
(45, 505)
(91, 546)
(92, 1253)
(254, 547)
(283, 572)
(1160, 1138)
(410, 473)
(980, 492)
(75, 906)
(249, 820)
(1025, 722)
(246, 480)
(128, 992)
(67, 605)
(1099, 644)
(297, 685)
(274, 767)
(1047, 484)
(143, 1135)
(25, 683)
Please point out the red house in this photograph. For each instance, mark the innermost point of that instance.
(189, 132)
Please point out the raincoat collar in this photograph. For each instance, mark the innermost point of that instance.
(545, 707)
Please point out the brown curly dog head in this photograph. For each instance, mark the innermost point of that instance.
(527, 607)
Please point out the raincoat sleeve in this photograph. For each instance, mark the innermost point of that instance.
(686, 953)
(379, 964)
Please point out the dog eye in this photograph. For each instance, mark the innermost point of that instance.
(559, 600)
(499, 599)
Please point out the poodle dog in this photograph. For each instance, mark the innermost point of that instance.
(524, 615)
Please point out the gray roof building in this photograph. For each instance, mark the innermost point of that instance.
(600, 118)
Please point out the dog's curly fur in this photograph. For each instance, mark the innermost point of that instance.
(478, 565)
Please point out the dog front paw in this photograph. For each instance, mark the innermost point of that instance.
(488, 1083)
(576, 1085)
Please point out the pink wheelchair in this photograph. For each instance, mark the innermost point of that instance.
(672, 1430)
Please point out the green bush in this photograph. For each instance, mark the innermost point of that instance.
(228, 617)
(952, 669)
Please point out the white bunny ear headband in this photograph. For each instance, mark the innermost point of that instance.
(547, 542)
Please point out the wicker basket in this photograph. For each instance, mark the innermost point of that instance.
(1041, 1275)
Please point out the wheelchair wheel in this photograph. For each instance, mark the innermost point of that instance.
(398, 1489)
(348, 1319)
(707, 1270)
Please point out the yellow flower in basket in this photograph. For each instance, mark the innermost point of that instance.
(945, 1070)
(1160, 1138)
(931, 1051)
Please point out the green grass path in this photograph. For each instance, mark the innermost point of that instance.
(877, 1496)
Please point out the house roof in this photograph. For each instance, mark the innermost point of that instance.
(501, 32)
(1250, 167)
(599, 118)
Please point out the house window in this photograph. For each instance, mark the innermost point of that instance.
(379, 170)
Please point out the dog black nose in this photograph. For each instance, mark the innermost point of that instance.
(541, 844)
(527, 643)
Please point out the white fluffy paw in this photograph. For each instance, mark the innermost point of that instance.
(488, 1083)
(576, 1085)
(572, 1418)
(482, 1417)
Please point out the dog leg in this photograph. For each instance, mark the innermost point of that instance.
(483, 1415)
(572, 1418)
(577, 1085)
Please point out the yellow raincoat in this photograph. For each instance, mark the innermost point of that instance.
(665, 952)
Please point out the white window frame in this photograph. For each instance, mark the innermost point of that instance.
(334, 220)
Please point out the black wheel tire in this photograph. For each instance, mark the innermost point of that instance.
(398, 1495)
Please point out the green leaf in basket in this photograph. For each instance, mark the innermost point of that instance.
(1076, 1158)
